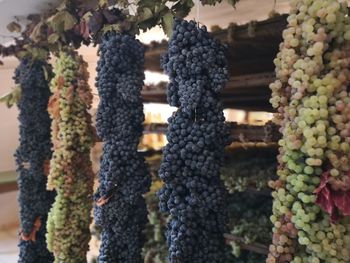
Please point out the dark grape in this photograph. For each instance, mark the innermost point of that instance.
(33, 153)
(193, 193)
(121, 210)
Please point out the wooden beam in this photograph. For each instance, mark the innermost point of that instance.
(253, 247)
(247, 53)
(248, 92)
(238, 132)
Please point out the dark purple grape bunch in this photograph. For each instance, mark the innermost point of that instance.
(120, 207)
(195, 62)
(32, 155)
(193, 193)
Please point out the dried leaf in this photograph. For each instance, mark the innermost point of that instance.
(14, 27)
(110, 16)
(60, 82)
(62, 6)
(46, 167)
(53, 106)
(103, 3)
(37, 34)
(34, 18)
(88, 5)
(53, 38)
(145, 14)
(84, 29)
(95, 22)
(62, 20)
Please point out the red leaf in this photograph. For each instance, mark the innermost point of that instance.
(323, 183)
(325, 201)
(95, 22)
(334, 202)
(84, 29)
(342, 201)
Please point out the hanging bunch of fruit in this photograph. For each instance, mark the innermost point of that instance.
(71, 173)
(32, 157)
(120, 207)
(193, 193)
(312, 195)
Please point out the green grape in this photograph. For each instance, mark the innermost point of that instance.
(71, 173)
(311, 98)
(250, 168)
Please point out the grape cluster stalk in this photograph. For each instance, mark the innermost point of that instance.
(32, 156)
(120, 208)
(313, 106)
(193, 193)
(70, 167)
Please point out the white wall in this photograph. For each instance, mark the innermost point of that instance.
(8, 122)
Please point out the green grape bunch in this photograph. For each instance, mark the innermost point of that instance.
(312, 103)
(70, 167)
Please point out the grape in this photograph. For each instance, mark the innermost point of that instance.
(120, 207)
(193, 193)
(70, 168)
(248, 220)
(33, 153)
(248, 168)
(311, 98)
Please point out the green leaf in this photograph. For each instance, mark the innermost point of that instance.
(87, 16)
(22, 54)
(103, 3)
(114, 27)
(62, 20)
(14, 27)
(17, 91)
(11, 97)
(182, 8)
(62, 6)
(69, 20)
(233, 2)
(167, 24)
(39, 53)
(146, 14)
(37, 34)
(210, 2)
(148, 3)
(53, 38)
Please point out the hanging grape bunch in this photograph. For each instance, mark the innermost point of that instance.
(193, 193)
(120, 207)
(32, 156)
(70, 168)
(311, 199)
